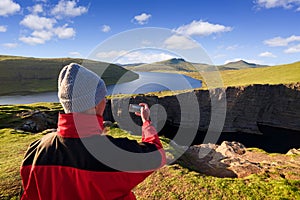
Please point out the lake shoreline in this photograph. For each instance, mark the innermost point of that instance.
(146, 83)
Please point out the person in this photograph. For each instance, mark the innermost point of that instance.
(79, 161)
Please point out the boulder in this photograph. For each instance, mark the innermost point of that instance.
(293, 152)
(232, 159)
(37, 121)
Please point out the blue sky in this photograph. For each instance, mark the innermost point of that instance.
(259, 31)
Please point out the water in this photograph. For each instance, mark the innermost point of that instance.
(32, 98)
(154, 82)
(147, 82)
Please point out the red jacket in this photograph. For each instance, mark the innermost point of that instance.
(66, 165)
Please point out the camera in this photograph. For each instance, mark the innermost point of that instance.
(134, 108)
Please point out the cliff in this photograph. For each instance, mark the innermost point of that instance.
(262, 116)
(257, 115)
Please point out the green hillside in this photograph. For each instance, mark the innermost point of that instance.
(24, 74)
(170, 182)
(232, 74)
(280, 74)
(289, 73)
(172, 65)
(241, 64)
(179, 64)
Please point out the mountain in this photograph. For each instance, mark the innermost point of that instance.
(279, 74)
(27, 74)
(241, 64)
(130, 65)
(179, 64)
(171, 65)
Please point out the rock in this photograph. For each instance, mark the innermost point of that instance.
(249, 111)
(205, 159)
(231, 159)
(230, 148)
(293, 152)
(36, 121)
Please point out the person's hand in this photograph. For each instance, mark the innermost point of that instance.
(145, 112)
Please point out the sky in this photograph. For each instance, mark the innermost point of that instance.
(132, 31)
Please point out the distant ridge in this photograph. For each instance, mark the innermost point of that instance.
(176, 60)
(174, 64)
(241, 64)
(179, 64)
(130, 65)
(27, 74)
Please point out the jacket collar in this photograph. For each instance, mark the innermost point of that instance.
(78, 125)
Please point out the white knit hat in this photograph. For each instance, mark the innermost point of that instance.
(79, 89)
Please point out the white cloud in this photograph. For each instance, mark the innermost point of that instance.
(141, 19)
(65, 32)
(38, 8)
(32, 40)
(286, 4)
(66, 8)
(267, 54)
(202, 28)
(143, 57)
(36, 22)
(42, 34)
(45, 28)
(8, 7)
(3, 29)
(232, 47)
(293, 49)
(75, 54)
(110, 55)
(10, 45)
(179, 42)
(281, 42)
(37, 37)
(105, 28)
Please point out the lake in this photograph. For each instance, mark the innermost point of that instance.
(147, 82)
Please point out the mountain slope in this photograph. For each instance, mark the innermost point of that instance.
(280, 74)
(179, 64)
(174, 64)
(24, 74)
(241, 64)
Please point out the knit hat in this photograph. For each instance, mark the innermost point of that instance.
(79, 89)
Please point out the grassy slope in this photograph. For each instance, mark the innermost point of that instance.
(170, 182)
(175, 182)
(281, 74)
(13, 146)
(23, 74)
(10, 115)
(172, 65)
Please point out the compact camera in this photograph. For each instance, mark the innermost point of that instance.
(134, 108)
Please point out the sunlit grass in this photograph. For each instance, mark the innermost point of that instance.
(170, 182)
(281, 74)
